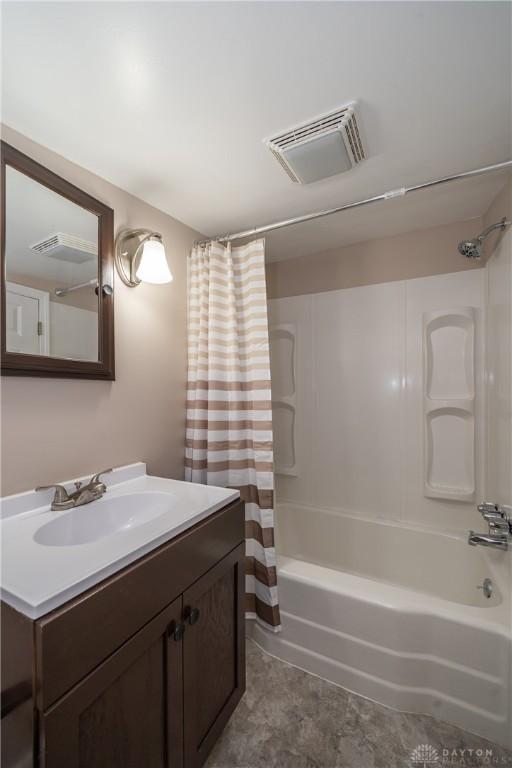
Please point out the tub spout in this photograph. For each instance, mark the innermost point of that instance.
(494, 540)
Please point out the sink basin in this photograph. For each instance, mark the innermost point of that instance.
(102, 518)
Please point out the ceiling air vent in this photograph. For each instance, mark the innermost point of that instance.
(320, 148)
(66, 248)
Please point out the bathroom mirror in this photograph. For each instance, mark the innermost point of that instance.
(57, 275)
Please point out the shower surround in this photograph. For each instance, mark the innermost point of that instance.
(379, 590)
(359, 366)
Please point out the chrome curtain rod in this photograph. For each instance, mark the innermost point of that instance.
(400, 192)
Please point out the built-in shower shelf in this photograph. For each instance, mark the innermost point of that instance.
(283, 340)
(449, 404)
(436, 405)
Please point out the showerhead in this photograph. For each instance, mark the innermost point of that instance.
(472, 249)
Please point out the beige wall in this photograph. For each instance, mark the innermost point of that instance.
(57, 429)
(413, 254)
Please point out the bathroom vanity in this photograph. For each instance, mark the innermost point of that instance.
(141, 663)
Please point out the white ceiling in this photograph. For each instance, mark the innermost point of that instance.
(171, 101)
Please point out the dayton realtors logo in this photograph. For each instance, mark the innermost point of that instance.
(424, 755)
(427, 756)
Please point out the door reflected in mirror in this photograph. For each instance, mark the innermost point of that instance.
(51, 272)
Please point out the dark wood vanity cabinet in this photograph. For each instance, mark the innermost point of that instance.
(213, 654)
(128, 711)
(154, 689)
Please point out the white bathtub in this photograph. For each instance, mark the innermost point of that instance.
(393, 613)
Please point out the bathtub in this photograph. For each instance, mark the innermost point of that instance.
(393, 613)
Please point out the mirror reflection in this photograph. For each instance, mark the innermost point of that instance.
(51, 263)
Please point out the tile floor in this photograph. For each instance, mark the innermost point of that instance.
(290, 719)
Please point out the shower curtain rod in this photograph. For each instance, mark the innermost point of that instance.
(400, 192)
(70, 288)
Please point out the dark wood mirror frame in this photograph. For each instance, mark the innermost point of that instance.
(18, 364)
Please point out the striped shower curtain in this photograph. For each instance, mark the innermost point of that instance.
(229, 415)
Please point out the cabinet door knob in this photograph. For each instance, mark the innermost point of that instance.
(179, 631)
(175, 630)
(191, 615)
(194, 616)
(170, 628)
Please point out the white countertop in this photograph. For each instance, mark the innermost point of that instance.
(36, 578)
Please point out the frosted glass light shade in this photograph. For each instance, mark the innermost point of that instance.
(319, 158)
(153, 267)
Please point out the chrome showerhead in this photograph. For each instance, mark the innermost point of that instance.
(472, 249)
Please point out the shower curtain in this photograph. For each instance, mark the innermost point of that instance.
(229, 410)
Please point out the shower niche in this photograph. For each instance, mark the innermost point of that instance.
(283, 343)
(449, 404)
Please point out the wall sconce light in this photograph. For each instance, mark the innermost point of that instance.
(140, 256)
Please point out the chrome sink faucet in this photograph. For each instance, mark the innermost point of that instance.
(499, 520)
(83, 494)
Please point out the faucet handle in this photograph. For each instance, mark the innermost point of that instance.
(498, 524)
(96, 478)
(494, 517)
(61, 495)
(489, 509)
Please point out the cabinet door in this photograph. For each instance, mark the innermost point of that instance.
(128, 712)
(213, 654)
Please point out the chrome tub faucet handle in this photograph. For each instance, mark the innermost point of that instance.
(488, 508)
(496, 517)
(499, 521)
